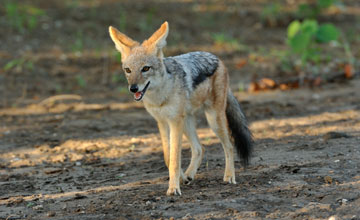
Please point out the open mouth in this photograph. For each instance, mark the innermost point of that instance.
(139, 95)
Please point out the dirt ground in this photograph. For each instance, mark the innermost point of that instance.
(74, 145)
(92, 161)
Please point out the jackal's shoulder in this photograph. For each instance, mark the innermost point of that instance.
(197, 66)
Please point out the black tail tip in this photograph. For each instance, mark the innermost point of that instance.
(239, 130)
(244, 146)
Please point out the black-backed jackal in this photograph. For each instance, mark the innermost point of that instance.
(172, 89)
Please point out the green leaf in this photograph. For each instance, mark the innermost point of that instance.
(325, 3)
(309, 26)
(300, 42)
(30, 204)
(293, 28)
(32, 22)
(314, 54)
(11, 64)
(11, 9)
(327, 33)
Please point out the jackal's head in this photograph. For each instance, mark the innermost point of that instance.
(142, 63)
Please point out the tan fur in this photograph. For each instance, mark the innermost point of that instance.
(174, 112)
(157, 40)
(123, 43)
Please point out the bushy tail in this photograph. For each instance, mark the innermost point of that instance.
(239, 130)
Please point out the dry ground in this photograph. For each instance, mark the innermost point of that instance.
(91, 161)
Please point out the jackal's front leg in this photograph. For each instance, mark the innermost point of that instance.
(164, 133)
(165, 136)
(176, 131)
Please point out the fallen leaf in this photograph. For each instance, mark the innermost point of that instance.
(283, 87)
(267, 83)
(348, 69)
(262, 85)
(253, 87)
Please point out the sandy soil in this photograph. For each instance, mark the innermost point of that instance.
(91, 161)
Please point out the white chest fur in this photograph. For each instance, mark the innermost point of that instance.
(168, 109)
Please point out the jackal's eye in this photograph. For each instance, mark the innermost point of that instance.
(127, 70)
(145, 69)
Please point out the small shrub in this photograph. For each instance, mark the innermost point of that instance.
(305, 37)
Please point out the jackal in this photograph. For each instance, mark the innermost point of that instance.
(173, 89)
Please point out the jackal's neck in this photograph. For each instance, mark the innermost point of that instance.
(159, 94)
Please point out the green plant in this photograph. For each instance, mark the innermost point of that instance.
(271, 13)
(22, 17)
(78, 44)
(349, 55)
(314, 10)
(81, 81)
(304, 38)
(19, 65)
(30, 204)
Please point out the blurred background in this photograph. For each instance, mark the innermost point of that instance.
(61, 47)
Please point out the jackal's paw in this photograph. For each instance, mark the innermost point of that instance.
(230, 179)
(187, 180)
(173, 191)
(189, 176)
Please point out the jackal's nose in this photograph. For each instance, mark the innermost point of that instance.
(134, 88)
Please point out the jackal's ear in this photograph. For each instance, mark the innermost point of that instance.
(123, 43)
(157, 41)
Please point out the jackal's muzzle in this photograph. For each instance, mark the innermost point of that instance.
(138, 95)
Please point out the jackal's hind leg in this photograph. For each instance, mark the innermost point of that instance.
(196, 148)
(217, 122)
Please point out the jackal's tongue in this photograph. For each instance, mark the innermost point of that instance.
(137, 95)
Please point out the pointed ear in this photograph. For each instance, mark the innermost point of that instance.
(157, 41)
(123, 43)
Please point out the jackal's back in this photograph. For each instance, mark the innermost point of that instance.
(194, 67)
